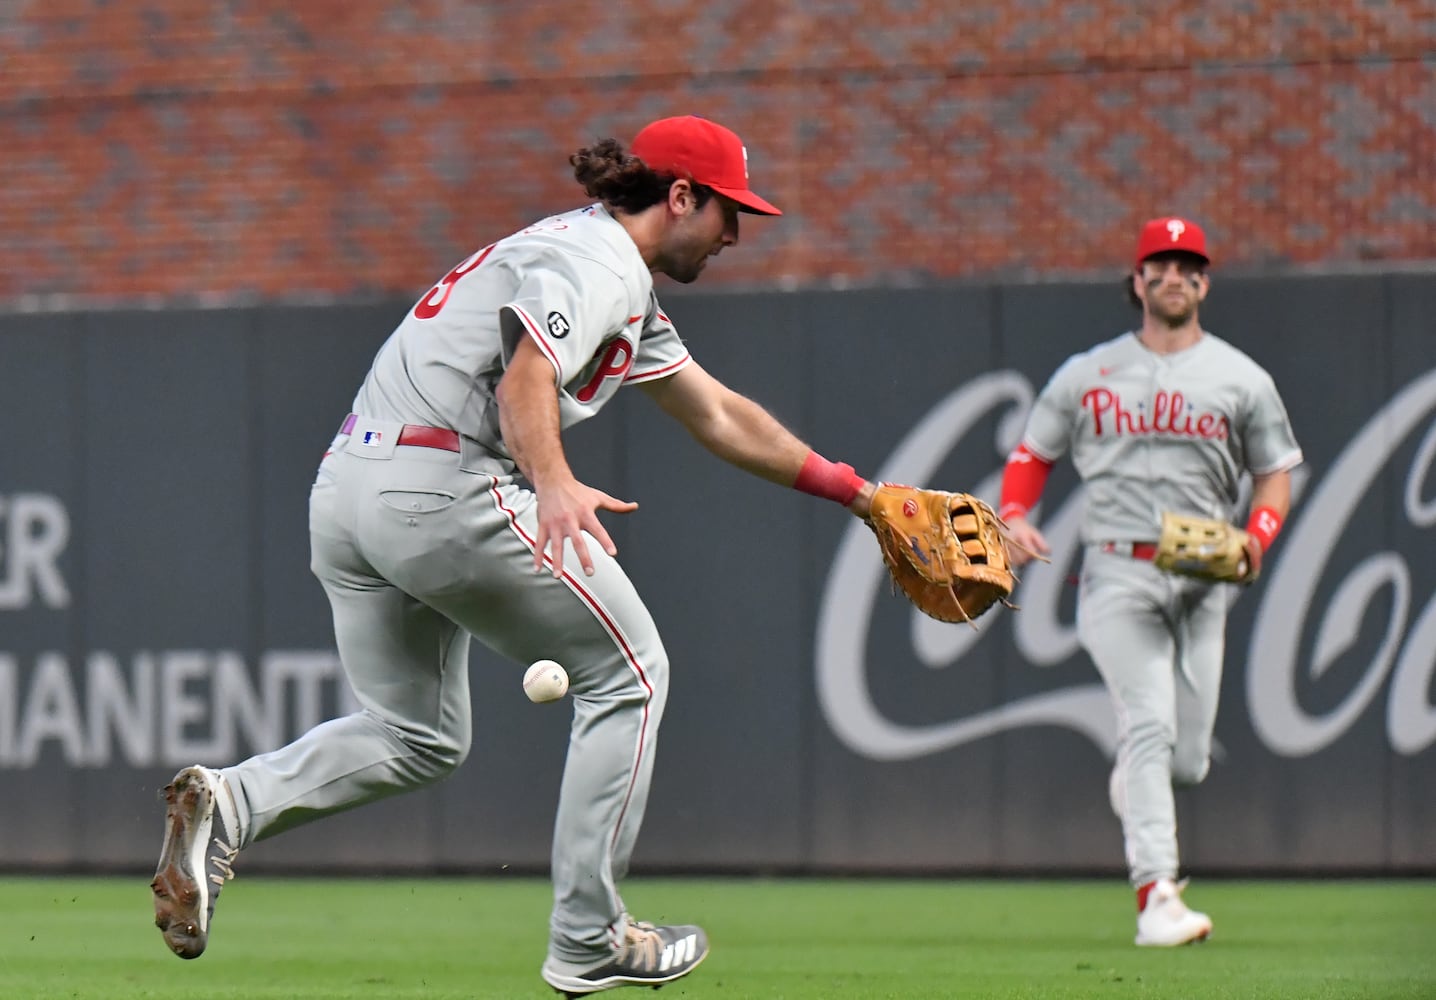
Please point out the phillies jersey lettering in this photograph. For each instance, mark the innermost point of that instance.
(1170, 414)
(614, 364)
(574, 283)
(1151, 432)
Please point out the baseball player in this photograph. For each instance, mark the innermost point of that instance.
(1168, 417)
(445, 508)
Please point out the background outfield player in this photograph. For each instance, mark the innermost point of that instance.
(1166, 418)
(422, 535)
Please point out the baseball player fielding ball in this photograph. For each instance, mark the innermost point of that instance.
(545, 681)
(526, 337)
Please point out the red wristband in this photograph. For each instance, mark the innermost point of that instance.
(834, 481)
(1263, 525)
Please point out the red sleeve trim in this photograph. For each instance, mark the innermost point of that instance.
(653, 373)
(538, 338)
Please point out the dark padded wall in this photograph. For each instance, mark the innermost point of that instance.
(156, 605)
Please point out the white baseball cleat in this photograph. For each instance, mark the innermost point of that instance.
(650, 956)
(201, 831)
(1166, 921)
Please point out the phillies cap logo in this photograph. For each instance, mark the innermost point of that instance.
(1168, 233)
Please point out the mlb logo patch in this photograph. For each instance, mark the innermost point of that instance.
(373, 438)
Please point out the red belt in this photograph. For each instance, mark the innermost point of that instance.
(1140, 550)
(415, 435)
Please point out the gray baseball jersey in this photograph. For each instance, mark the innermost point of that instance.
(575, 283)
(420, 547)
(1151, 432)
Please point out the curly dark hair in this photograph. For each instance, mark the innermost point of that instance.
(621, 180)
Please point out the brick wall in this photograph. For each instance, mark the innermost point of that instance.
(241, 150)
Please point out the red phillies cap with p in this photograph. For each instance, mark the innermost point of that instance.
(704, 152)
(1172, 234)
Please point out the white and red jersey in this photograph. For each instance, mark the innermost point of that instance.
(574, 283)
(1155, 432)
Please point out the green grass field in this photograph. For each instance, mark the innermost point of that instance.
(772, 939)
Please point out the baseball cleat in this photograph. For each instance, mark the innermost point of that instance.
(1166, 921)
(201, 827)
(650, 956)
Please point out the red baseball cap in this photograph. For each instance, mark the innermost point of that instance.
(704, 152)
(1171, 233)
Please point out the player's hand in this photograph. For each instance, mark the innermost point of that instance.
(1025, 542)
(565, 512)
(863, 503)
(1254, 554)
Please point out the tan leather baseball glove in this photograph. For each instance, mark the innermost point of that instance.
(946, 551)
(1203, 548)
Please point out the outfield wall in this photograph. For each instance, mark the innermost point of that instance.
(156, 606)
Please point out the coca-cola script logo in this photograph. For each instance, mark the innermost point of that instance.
(1407, 652)
(1408, 649)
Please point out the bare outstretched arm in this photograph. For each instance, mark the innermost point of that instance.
(738, 430)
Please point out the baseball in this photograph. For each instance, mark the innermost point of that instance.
(545, 681)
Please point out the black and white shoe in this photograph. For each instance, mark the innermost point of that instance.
(201, 834)
(649, 956)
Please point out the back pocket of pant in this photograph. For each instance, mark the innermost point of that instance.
(416, 501)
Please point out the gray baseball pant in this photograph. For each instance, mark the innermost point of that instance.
(1157, 640)
(417, 553)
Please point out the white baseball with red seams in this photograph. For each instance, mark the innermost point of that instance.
(545, 681)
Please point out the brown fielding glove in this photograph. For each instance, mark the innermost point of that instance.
(1202, 548)
(946, 551)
